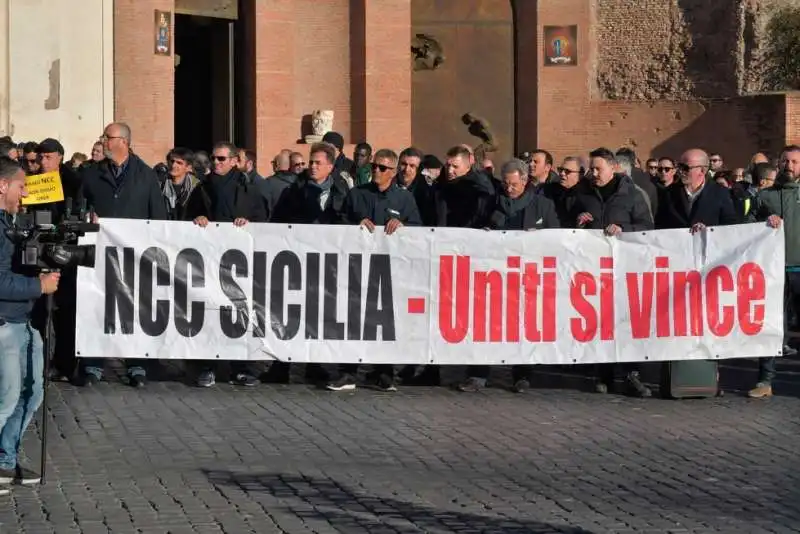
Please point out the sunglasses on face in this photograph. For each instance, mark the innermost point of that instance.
(665, 169)
(220, 158)
(382, 168)
(567, 171)
(683, 167)
(299, 164)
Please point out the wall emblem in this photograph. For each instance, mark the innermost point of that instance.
(560, 46)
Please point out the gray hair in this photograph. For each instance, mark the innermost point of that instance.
(124, 131)
(625, 163)
(514, 165)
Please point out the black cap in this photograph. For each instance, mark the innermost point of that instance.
(334, 138)
(49, 146)
(431, 162)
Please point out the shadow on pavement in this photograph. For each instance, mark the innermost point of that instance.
(349, 509)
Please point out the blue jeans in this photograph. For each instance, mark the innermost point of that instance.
(21, 378)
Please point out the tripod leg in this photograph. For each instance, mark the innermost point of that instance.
(48, 355)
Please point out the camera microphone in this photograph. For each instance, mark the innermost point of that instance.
(67, 208)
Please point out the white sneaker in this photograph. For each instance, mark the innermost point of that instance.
(4, 491)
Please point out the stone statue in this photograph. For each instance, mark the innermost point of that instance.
(321, 123)
(481, 129)
(426, 52)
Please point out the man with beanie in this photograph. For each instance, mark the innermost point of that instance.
(343, 164)
(51, 159)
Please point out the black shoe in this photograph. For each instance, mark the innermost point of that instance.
(19, 475)
(471, 385)
(635, 386)
(26, 476)
(89, 380)
(521, 386)
(428, 377)
(137, 381)
(245, 379)
(382, 382)
(275, 376)
(344, 383)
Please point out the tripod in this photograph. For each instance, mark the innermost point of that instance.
(47, 341)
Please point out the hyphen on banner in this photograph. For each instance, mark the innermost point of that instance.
(445, 296)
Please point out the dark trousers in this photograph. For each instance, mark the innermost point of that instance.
(518, 372)
(380, 369)
(606, 373)
(791, 312)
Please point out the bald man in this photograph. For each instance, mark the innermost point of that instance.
(693, 201)
(273, 188)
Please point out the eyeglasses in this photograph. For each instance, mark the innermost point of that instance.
(682, 167)
(382, 168)
(665, 169)
(105, 137)
(715, 160)
(652, 167)
(220, 158)
(567, 171)
(299, 164)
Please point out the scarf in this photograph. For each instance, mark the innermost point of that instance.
(178, 195)
(507, 208)
(320, 192)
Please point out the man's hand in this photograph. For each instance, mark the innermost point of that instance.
(240, 221)
(773, 221)
(585, 218)
(392, 226)
(95, 219)
(698, 227)
(49, 282)
(369, 225)
(201, 221)
(613, 230)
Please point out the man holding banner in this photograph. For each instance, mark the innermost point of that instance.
(124, 187)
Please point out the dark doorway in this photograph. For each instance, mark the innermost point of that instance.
(204, 81)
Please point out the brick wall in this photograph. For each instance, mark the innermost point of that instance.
(793, 118)
(143, 81)
(477, 76)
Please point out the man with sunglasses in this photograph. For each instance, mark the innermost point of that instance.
(563, 193)
(379, 203)
(693, 201)
(226, 195)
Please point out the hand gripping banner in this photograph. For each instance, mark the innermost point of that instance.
(314, 293)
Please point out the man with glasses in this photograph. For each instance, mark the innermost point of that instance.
(562, 193)
(121, 186)
(30, 158)
(298, 163)
(379, 203)
(715, 164)
(651, 166)
(666, 172)
(226, 196)
(695, 202)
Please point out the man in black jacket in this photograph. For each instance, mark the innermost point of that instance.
(124, 187)
(520, 207)
(625, 159)
(379, 203)
(693, 201)
(409, 177)
(226, 195)
(316, 197)
(563, 192)
(274, 188)
(612, 203)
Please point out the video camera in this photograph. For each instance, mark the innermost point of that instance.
(46, 246)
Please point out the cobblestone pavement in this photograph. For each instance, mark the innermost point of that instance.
(291, 459)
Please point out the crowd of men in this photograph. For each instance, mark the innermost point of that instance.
(608, 191)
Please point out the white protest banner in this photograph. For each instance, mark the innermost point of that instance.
(308, 293)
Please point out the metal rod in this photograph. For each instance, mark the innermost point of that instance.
(48, 355)
(231, 83)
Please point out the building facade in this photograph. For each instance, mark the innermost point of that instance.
(564, 75)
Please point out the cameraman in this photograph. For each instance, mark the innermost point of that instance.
(21, 350)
